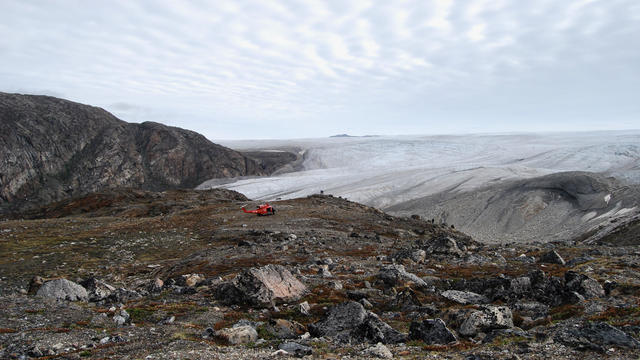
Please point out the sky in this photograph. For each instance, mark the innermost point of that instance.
(305, 68)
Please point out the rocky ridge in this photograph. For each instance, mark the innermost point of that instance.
(51, 149)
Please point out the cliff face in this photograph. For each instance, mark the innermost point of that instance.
(52, 148)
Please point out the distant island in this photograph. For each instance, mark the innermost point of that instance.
(347, 135)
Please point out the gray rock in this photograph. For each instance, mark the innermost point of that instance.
(119, 320)
(366, 304)
(63, 289)
(122, 295)
(520, 286)
(237, 335)
(552, 257)
(583, 285)
(295, 349)
(379, 351)
(532, 309)
(349, 322)
(264, 286)
(432, 332)
(487, 318)
(464, 297)
(594, 336)
(444, 246)
(395, 275)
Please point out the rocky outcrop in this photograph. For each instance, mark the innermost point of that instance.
(52, 148)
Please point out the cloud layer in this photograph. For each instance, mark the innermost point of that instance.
(246, 69)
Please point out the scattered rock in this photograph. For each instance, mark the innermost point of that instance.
(415, 255)
(285, 329)
(262, 286)
(63, 289)
(377, 351)
(464, 297)
(432, 332)
(295, 349)
(238, 335)
(96, 289)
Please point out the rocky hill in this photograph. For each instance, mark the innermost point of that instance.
(52, 148)
(186, 274)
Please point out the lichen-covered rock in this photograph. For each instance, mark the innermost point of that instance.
(264, 286)
(487, 318)
(464, 297)
(63, 289)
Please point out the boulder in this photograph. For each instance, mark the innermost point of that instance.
(96, 289)
(596, 336)
(583, 285)
(487, 318)
(444, 246)
(264, 286)
(520, 286)
(464, 297)
(349, 322)
(63, 289)
(552, 257)
(396, 275)
(238, 335)
(432, 332)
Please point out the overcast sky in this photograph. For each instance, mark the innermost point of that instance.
(284, 69)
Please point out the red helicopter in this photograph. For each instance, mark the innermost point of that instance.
(262, 210)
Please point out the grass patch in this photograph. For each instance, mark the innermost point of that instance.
(565, 312)
(618, 316)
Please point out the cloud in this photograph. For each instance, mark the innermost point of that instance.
(298, 62)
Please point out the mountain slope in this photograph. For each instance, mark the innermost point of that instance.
(52, 148)
(561, 206)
